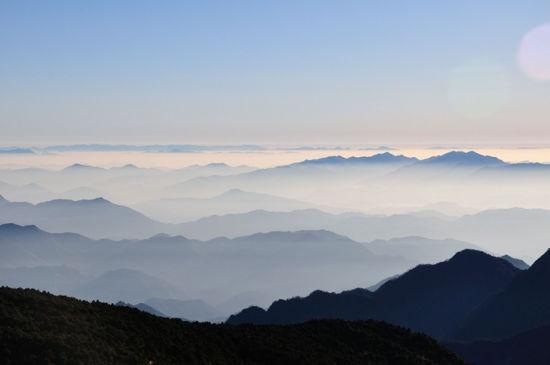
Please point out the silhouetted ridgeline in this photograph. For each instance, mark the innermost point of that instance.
(503, 311)
(522, 306)
(433, 299)
(41, 328)
(528, 348)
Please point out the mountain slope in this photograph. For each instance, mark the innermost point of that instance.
(380, 158)
(357, 226)
(523, 305)
(440, 296)
(520, 264)
(499, 230)
(54, 279)
(437, 296)
(277, 264)
(232, 201)
(451, 165)
(30, 246)
(41, 328)
(526, 348)
(142, 307)
(96, 218)
(351, 305)
(419, 249)
(126, 285)
(192, 310)
(460, 158)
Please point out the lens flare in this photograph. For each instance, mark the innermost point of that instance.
(534, 53)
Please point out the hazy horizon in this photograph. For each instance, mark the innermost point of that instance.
(271, 156)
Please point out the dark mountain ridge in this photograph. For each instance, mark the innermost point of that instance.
(526, 348)
(438, 297)
(42, 328)
(523, 305)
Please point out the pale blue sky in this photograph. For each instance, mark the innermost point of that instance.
(278, 72)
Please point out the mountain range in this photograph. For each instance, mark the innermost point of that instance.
(526, 348)
(42, 328)
(279, 264)
(496, 230)
(232, 201)
(96, 218)
(388, 183)
(438, 297)
(482, 307)
(522, 306)
(192, 309)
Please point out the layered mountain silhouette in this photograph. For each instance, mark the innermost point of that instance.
(526, 348)
(132, 286)
(16, 150)
(420, 249)
(520, 264)
(454, 164)
(378, 165)
(381, 158)
(523, 305)
(142, 307)
(459, 158)
(127, 184)
(54, 279)
(96, 218)
(497, 230)
(232, 201)
(433, 299)
(193, 309)
(31, 192)
(280, 264)
(358, 226)
(295, 177)
(42, 328)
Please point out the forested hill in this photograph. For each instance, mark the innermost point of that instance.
(39, 328)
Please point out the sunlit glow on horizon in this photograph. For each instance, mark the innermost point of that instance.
(260, 159)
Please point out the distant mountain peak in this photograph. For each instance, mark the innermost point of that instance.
(16, 228)
(78, 166)
(463, 158)
(542, 264)
(161, 236)
(325, 160)
(385, 157)
(95, 200)
(234, 191)
(16, 150)
(80, 201)
(469, 255)
(520, 264)
(474, 260)
(217, 164)
(32, 186)
(129, 166)
(303, 235)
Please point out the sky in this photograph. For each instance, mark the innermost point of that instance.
(275, 72)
